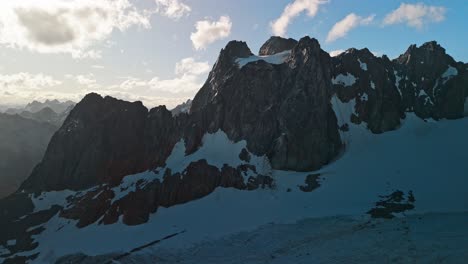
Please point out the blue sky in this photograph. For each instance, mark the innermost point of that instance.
(138, 44)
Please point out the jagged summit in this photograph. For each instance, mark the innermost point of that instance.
(276, 45)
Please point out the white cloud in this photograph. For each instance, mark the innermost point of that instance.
(415, 15)
(87, 81)
(23, 87)
(342, 27)
(189, 66)
(335, 53)
(292, 10)
(66, 26)
(190, 75)
(97, 67)
(26, 81)
(172, 8)
(208, 32)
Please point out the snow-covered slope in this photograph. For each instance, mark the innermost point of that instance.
(423, 157)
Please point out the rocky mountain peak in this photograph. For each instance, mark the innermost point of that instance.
(305, 49)
(276, 45)
(100, 141)
(235, 49)
(429, 52)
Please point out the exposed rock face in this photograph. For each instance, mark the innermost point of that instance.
(198, 180)
(102, 140)
(424, 80)
(276, 45)
(433, 83)
(378, 102)
(182, 108)
(281, 110)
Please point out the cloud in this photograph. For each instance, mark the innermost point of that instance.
(190, 75)
(335, 53)
(73, 27)
(26, 81)
(415, 15)
(97, 67)
(292, 10)
(24, 87)
(208, 32)
(189, 66)
(172, 8)
(351, 21)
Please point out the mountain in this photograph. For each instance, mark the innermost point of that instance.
(25, 136)
(277, 137)
(22, 145)
(182, 108)
(55, 105)
(51, 111)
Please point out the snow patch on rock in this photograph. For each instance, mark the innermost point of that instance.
(449, 73)
(46, 200)
(427, 99)
(363, 65)
(278, 58)
(398, 78)
(345, 79)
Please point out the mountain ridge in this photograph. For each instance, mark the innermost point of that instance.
(293, 113)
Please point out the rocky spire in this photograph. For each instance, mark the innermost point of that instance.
(276, 45)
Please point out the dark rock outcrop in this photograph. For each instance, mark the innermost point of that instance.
(196, 181)
(378, 102)
(424, 80)
(281, 110)
(276, 45)
(102, 140)
(433, 84)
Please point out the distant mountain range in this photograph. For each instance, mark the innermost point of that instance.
(24, 135)
(50, 111)
(22, 145)
(272, 138)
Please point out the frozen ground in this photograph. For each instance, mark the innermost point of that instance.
(428, 238)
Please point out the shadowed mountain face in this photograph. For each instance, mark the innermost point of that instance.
(284, 110)
(25, 134)
(22, 145)
(282, 107)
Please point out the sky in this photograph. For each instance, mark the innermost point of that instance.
(161, 51)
